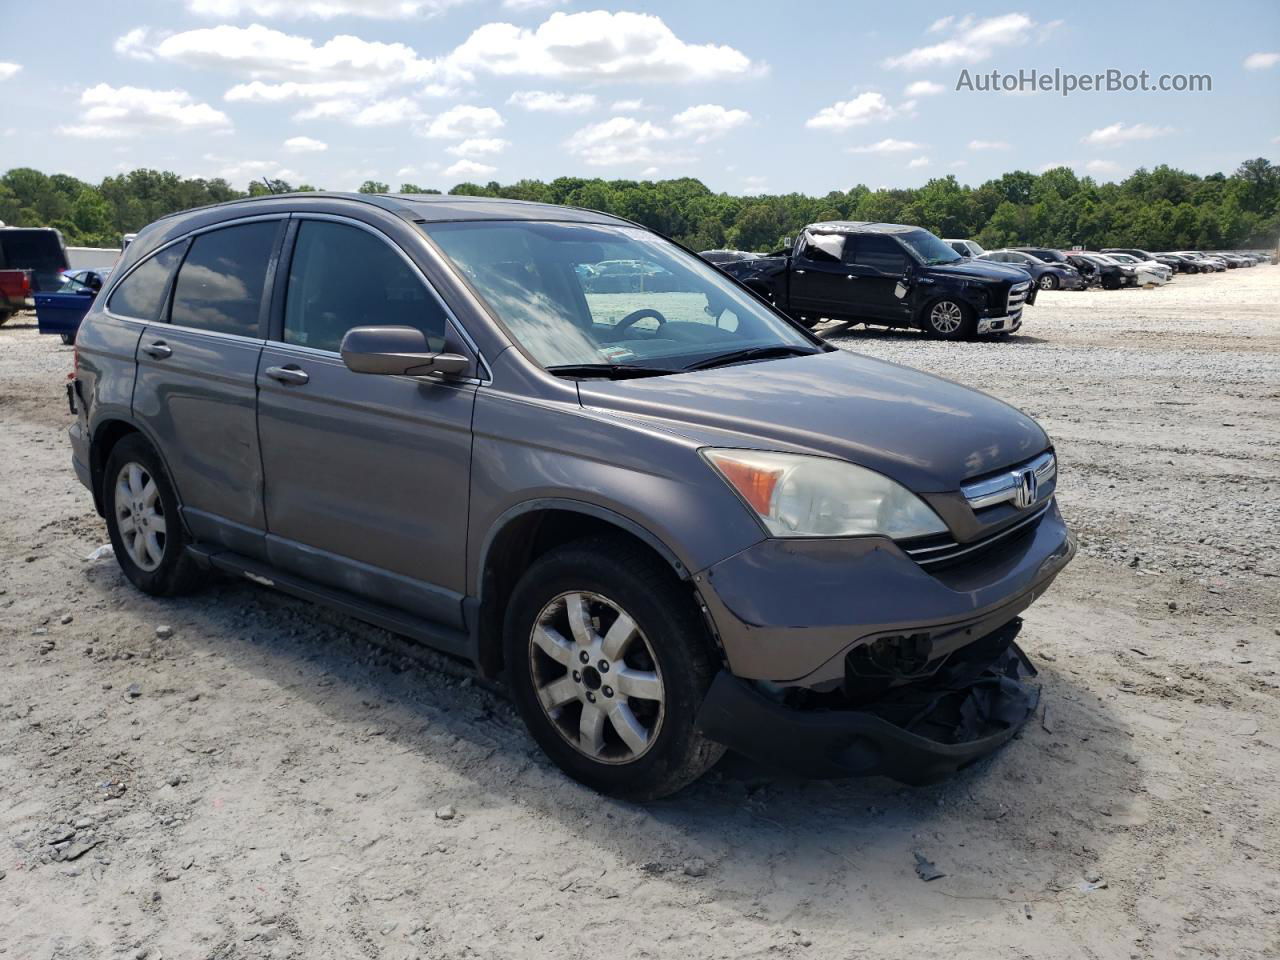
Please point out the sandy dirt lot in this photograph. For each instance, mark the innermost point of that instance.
(264, 779)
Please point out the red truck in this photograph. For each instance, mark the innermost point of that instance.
(15, 292)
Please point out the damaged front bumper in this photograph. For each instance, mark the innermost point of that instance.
(917, 734)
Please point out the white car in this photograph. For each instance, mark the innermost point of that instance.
(1148, 271)
(966, 248)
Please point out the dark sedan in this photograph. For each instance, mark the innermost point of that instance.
(1047, 276)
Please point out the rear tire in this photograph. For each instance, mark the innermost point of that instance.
(949, 319)
(68, 338)
(143, 520)
(620, 721)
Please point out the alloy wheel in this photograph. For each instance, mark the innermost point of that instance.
(946, 316)
(596, 677)
(140, 516)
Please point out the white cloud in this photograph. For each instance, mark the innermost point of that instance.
(1261, 61)
(970, 42)
(597, 45)
(1102, 166)
(305, 145)
(468, 168)
(627, 106)
(923, 88)
(988, 145)
(542, 101)
(479, 147)
(258, 92)
(340, 109)
(918, 162)
(888, 145)
(8, 69)
(619, 141)
(1118, 133)
(520, 6)
(957, 164)
(136, 44)
(319, 9)
(128, 111)
(238, 170)
(707, 121)
(464, 121)
(266, 54)
(385, 113)
(863, 108)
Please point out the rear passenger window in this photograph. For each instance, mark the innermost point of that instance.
(343, 277)
(220, 283)
(140, 293)
(823, 247)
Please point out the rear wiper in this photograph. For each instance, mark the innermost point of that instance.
(752, 353)
(609, 371)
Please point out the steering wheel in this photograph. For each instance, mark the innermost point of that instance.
(626, 322)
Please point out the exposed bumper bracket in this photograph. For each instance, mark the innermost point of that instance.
(916, 734)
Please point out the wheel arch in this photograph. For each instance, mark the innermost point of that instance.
(106, 434)
(525, 532)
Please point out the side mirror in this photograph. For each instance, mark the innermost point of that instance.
(397, 351)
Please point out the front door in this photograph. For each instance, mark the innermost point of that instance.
(195, 386)
(879, 264)
(367, 477)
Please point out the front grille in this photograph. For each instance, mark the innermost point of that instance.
(936, 551)
(1018, 294)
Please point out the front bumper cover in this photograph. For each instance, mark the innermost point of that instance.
(916, 734)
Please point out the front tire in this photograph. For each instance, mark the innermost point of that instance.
(68, 338)
(608, 661)
(1049, 282)
(146, 529)
(948, 319)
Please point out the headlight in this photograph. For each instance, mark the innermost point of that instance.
(802, 496)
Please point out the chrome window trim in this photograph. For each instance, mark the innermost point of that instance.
(486, 374)
(1001, 488)
(116, 281)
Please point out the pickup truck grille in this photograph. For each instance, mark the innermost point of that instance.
(937, 551)
(1018, 296)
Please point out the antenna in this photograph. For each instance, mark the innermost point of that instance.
(270, 188)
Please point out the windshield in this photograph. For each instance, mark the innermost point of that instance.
(929, 248)
(577, 294)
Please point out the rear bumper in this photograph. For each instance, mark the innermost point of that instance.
(917, 734)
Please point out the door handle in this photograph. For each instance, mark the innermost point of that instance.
(851, 276)
(158, 350)
(291, 376)
(797, 271)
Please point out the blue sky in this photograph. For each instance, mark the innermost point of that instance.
(747, 96)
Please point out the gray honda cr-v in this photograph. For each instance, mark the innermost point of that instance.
(559, 446)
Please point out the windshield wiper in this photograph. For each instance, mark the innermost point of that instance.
(608, 371)
(752, 353)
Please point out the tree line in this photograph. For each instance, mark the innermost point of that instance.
(1159, 209)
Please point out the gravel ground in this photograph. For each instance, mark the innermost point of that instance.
(236, 774)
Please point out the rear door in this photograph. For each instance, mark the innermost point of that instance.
(367, 477)
(819, 280)
(196, 384)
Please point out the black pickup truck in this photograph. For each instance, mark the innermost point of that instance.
(888, 274)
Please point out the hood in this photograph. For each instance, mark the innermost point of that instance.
(927, 433)
(980, 270)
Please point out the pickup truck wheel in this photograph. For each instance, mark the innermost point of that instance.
(949, 319)
(146, 530)
(608, 662)
(68, 338)
(1049, 282)
(4, 316)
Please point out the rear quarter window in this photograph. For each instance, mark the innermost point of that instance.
(140, 294)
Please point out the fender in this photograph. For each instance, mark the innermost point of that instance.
(121, 415)
(575, 506)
